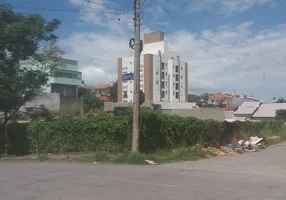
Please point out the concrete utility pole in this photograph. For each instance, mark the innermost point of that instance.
(136, 91)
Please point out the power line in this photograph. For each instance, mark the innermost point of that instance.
(142, 5)
(105, 6)
(205, 49)
(61, 10)
(198, 32)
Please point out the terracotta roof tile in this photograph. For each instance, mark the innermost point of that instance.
(102, 86)
(219, 96)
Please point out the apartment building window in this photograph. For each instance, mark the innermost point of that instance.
(157, 72)
(177, 86)
(177, 68)
(65, 75)
(162, 85)
(177, 77)
(162, 66)
(157, 82)
(162, 94)
(177, 95)
(181, 77)
(162, 75)
(125, 95)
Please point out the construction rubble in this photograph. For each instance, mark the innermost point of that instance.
(251, 145)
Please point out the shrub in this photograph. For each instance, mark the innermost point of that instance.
(18, 139)
(105, 133)
(113, 134)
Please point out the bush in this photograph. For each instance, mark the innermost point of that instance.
(18, 139)
(105, 133)
(99, 133)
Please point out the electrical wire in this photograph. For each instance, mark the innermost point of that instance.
(61, 10)
(143, 3)
(205, 49)
(198, 32)
(105, 6)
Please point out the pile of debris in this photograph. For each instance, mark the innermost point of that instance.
(251, 145)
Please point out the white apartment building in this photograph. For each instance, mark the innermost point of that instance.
(163, 76)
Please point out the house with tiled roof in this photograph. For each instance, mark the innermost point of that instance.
(218, 99)
(103, 91)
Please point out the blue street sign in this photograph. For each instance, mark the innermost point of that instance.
(127, 77)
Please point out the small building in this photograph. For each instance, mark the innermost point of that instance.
(267, 111)
(64, 79)
(103, 91)
(218, 99)
(246, 110)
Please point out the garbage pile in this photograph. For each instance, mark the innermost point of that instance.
(251, 145)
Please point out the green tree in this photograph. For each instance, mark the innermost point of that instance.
(83, 91)
(281, 100)
(91, 103)
(281, 114)
(113, 92)
(198, 97)
(24, 68)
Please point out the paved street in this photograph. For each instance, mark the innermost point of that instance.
(253, 176)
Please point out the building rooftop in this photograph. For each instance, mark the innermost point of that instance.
(220, 96)
(248, 108)
(100, 87)
(268, 110)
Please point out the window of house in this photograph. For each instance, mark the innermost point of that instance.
(125, 95)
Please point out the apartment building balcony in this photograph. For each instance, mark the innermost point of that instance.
(65, 81)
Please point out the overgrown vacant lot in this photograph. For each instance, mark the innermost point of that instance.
(105, 138)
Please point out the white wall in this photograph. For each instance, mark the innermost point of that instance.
(128, 67)
(156, 78)
(153, 48)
